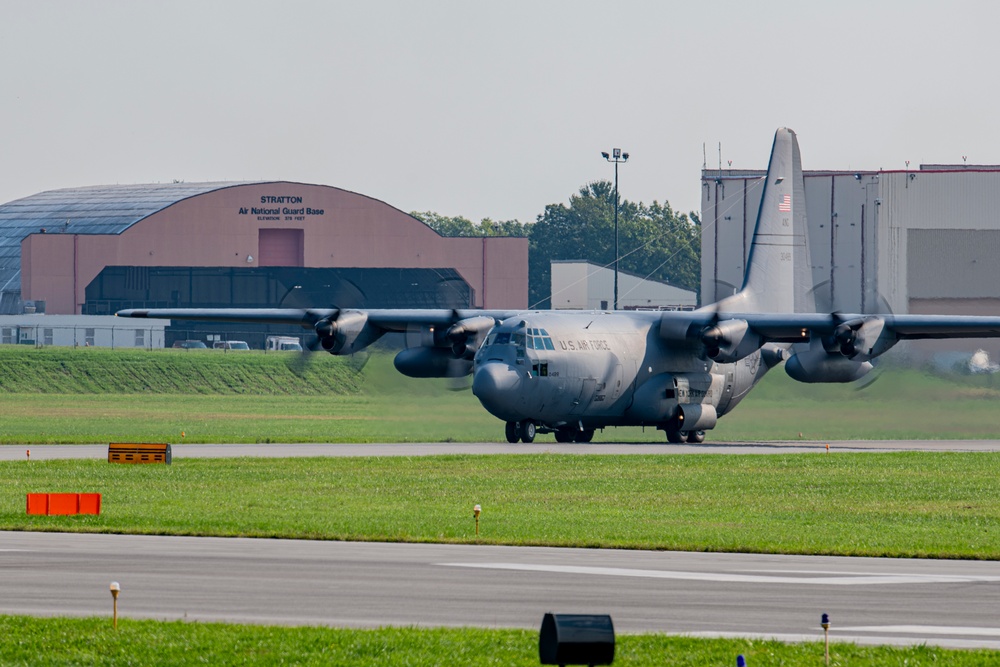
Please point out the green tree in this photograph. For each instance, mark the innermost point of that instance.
(459, 226)
(653, 241)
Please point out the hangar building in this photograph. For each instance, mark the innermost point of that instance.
(95, 250)
(582, 285)
(923, 241)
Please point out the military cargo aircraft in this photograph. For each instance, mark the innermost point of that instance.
(571, 372)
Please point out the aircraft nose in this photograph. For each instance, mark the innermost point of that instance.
(493, 383)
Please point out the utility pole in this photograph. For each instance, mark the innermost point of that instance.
(618, 158)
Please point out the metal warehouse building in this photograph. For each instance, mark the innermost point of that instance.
(921, 241)
(94, 250)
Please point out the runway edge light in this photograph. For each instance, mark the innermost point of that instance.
(475, 513)
(115, 589)
(741, 661)
(824, 622)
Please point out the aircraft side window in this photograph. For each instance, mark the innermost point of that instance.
(548, 343)
(518, 339)
(503, 338)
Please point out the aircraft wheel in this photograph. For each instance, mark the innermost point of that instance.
(675, 437)
(528, 431)
(564, 435)
(585, 435)
(511, 432)
(696, 437)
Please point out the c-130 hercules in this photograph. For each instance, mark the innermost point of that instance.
(571, 372)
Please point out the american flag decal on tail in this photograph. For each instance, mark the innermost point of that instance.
(785, 205)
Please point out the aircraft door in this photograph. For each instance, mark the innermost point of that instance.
(586, 395)
(728, 385)
(616, 382)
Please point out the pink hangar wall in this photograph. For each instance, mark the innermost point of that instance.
(221, 228)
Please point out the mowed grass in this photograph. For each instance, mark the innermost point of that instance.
(41, 642)
(893, 504)
(58, 395)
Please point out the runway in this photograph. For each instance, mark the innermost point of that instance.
(896, 601)
(181, 451)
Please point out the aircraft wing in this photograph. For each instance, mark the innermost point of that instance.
(305, 318)
(730, 336)
(386, 319)
(348, 330)
(789, 327)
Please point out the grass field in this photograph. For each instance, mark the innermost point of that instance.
(899, 504)
(43, 642)
(56, 395)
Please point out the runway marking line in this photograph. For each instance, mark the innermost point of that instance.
(927, 630)
(727, 577)
(870, 640)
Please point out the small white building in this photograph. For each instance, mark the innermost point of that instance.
(43, 330)
(581, 285)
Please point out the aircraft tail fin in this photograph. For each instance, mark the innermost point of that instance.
(778, 277)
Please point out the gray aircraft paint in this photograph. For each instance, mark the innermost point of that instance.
(572, 372)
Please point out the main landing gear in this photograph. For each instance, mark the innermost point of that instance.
(692, 437)
(574, 435)
(525, 431)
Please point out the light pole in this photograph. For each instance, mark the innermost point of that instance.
(618, 158)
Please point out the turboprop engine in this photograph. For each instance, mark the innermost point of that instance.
(447, 354)
(815, 364)
(844, 355)
(728, 341)
(346, 332)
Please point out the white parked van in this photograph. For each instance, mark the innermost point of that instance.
(230, 345)
(283, 344)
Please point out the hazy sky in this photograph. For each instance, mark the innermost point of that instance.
(486, 109)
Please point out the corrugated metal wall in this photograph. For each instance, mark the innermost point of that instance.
(836, 214)
(877, 239)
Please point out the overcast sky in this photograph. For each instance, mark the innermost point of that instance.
(486, 109)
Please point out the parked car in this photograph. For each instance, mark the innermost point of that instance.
(190, 344)
(230, 345)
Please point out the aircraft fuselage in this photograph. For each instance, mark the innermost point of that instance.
(595, 369)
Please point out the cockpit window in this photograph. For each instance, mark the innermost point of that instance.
(538, 339)
(531, 339)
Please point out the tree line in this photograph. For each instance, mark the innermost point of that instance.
(654, 242)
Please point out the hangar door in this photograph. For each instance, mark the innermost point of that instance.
(280, 247)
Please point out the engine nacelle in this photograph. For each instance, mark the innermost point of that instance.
(860, 339)
(696, 417)
(431, 362)
(347, 334)
(467, 335)
(730, 340)
(815, 364)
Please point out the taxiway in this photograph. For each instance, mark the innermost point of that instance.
(870, 600)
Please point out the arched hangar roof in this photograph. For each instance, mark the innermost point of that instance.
(97, 209)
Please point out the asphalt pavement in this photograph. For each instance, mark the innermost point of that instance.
(43, 452)
(870, 600)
